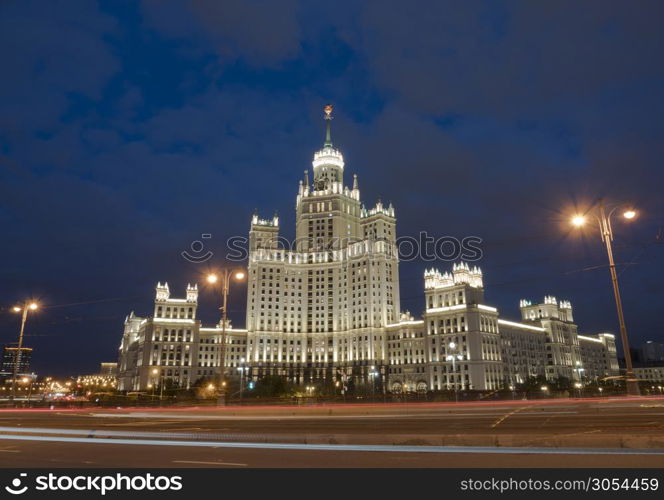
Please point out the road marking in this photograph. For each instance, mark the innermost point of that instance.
(507, 415)
(343, 447)
(175, 418)
(206, 463)
(547, 412)
(142, 422)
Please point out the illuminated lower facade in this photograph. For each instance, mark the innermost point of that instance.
(461, 343)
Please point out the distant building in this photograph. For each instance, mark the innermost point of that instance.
(108, 369)
(106, 379)
(651, 353)
(9, 354)
(650, 373)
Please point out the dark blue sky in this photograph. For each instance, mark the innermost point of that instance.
(127, 129)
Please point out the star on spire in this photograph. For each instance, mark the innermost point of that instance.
(328, 118)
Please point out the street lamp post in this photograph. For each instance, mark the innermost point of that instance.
(158, 377)
(27, 306)
(47, 383)
(579, 388)
(342, 381)
(453, 357)
(29, 381)
(606, 231)
(373, 374)
(579, 370)
(225, 278)
(242, 369)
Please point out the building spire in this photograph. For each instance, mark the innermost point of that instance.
(328, 118)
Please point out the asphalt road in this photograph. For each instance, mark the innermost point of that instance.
(422, 435)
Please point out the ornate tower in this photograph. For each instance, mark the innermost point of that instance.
(320, 310)
(328, 162)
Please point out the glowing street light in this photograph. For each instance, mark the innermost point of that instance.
(578, 220)
(27, 306)
(606, 231)
(578, 386)
(243, 368)
(453, 358)
(160, 379)
(225, 278)
(373, 373)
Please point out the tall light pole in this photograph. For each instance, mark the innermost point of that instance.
(29, 381)
(373, 373)
(27, 306)
(453, 357)
(242, 369)
(225, 277)
(604, 221)
(580, 369)
(158, 378)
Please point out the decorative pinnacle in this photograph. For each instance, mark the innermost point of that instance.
(328, 117)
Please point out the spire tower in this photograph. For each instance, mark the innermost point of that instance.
(328, 119)
(328, 162)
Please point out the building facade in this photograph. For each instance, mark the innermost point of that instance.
(651, 353)
(9, 359)
(462, 343)
(652, 374)
(327, 308)
(173, 346)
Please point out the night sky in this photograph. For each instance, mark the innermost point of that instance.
(128, 129)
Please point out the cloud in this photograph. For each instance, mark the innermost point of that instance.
(260, 32)
(51, 51)
(521, 59)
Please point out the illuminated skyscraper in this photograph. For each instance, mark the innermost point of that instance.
(320, 309)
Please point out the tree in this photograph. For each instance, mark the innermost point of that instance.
(533, 385)
(273, 386)
(561, 383)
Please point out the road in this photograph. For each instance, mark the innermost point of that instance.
(550, 433)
